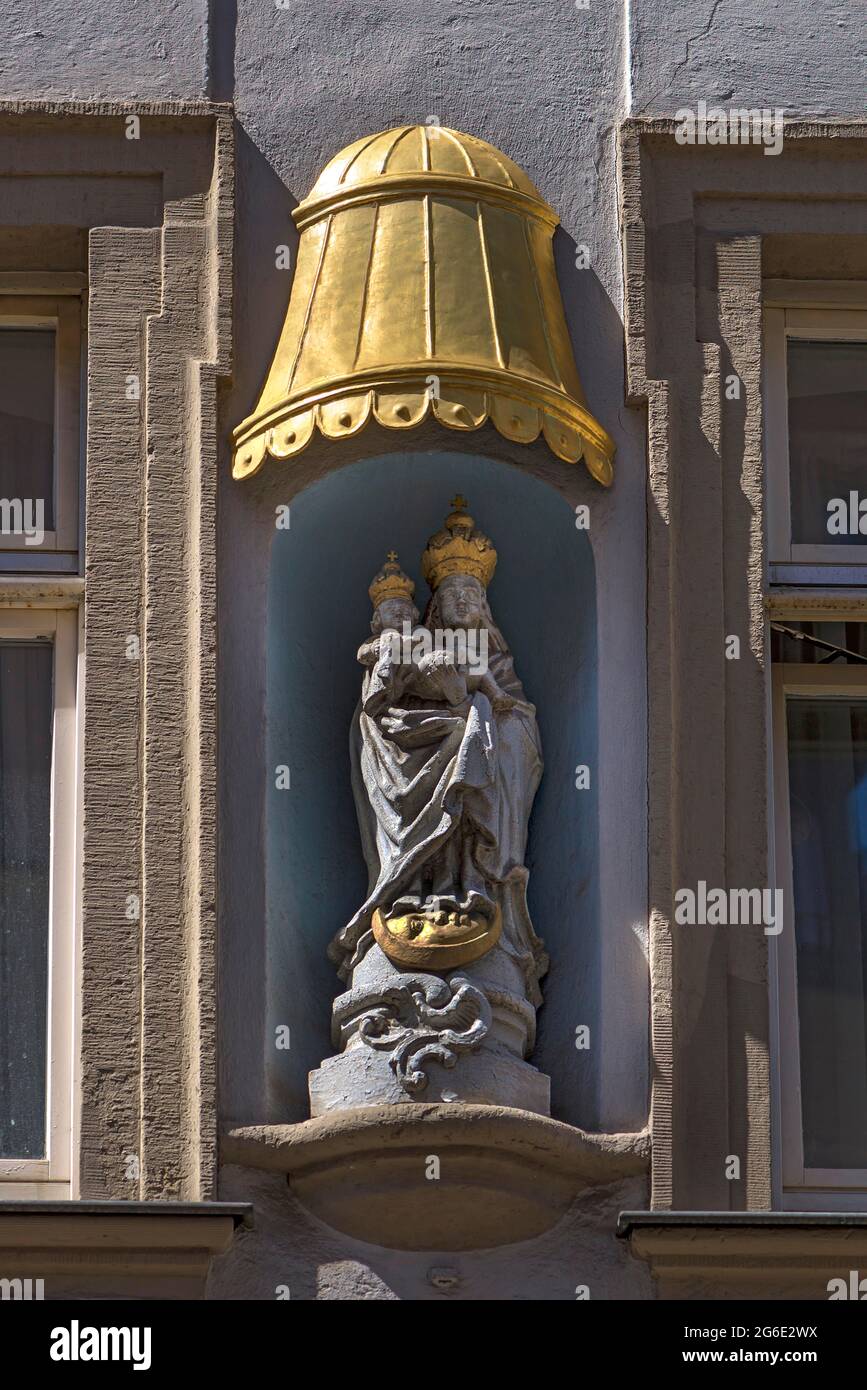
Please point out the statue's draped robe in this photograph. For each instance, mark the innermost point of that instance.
(435, 784)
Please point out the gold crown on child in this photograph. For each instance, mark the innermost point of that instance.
(459, 549)
(391, 582)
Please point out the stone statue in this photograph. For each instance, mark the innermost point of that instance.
(441, 958)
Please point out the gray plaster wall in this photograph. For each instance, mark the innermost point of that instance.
(808, 56)
(121, 48)
(636, 56)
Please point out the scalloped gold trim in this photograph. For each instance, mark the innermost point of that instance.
(345, 416)
(458, 408)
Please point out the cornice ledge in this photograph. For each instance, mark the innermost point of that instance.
(734, 1249)
(75, 106)
(795, 126)
(534, 1139)
(115, 1240)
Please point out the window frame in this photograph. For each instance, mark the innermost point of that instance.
(819, 564)
(63, 313)
(801, 1187)
(51, 1176)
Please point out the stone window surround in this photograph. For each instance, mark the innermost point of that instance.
(158, 214)
(693, 222)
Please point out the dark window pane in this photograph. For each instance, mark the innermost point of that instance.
(828, 807)
(26, 671)
(827, 385)
(27, 420)
(818, 644)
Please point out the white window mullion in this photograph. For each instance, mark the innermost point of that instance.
(62, 901)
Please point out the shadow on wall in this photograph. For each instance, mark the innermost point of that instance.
(543, 598)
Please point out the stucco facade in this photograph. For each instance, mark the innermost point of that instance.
(184, 243)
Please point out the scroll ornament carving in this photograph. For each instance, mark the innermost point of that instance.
(424, 1019)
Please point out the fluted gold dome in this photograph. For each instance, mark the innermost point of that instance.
(425, 284)
(414, 150)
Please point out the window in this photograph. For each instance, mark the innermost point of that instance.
(815, 428)
(37, 895)
(820, 722)
(40, 461)
(40, 366)
(816, 443)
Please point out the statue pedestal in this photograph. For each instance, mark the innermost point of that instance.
(361, 1077)
(406, 1037)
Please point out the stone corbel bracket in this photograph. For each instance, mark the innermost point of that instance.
(504, 1175)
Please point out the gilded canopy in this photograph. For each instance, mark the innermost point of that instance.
(425, 284)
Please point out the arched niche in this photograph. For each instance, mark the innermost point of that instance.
(543, 597)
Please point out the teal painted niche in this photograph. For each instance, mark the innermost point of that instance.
(543, 598)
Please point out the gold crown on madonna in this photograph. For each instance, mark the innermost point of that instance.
(391, 582)
(459, 549)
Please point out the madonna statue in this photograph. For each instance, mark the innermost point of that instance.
(446, 761)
